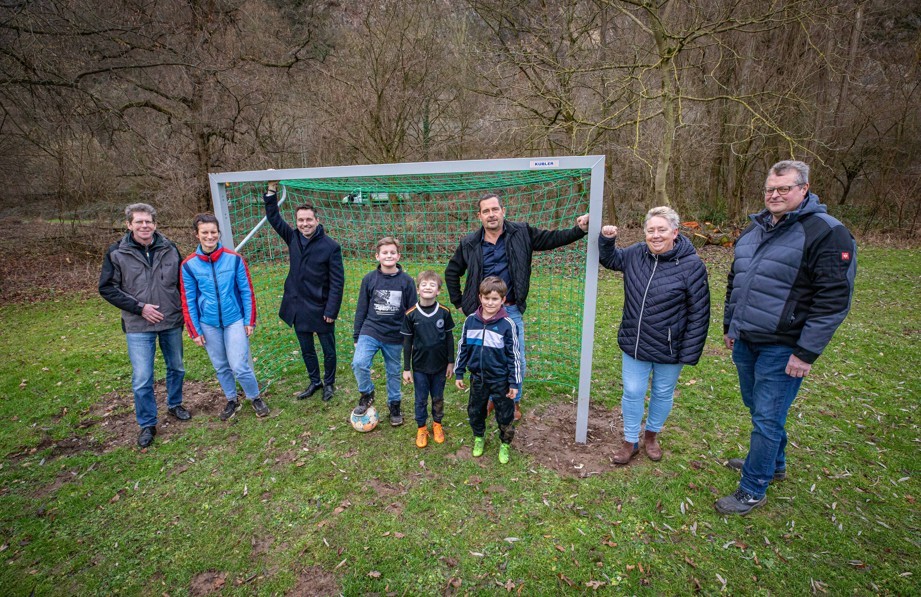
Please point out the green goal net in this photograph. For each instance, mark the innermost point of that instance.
(429, 212)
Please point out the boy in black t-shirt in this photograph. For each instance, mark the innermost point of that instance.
(428, 351)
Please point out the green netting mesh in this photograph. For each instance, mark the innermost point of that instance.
(429, 214)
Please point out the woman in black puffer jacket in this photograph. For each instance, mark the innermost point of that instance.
(664, 325)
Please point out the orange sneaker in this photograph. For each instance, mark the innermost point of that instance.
(438, 433)
(422, 437)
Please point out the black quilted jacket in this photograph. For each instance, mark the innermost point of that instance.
(666, 301)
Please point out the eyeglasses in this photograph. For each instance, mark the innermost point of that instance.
(768, 191)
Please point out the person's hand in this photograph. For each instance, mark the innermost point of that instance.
(459, 384)
(273, 186)
(151, 313)
(328, 319)
(408, 377)
(729, 342)
(609, 231)
(249, 329)
(582, 222)
(797, 367)
(199, 340)
(512, 392)
(450, 371)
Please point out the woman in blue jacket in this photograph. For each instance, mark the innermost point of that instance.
(219, 306)
(664, 326)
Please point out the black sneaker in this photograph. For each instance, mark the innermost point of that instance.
(180, 413)
(146, 437)
(312, 389)
(364, 401)
(328, 391)
(259, 406)
(396, 417)
(230, 410)
(741, 503)
(736, 464)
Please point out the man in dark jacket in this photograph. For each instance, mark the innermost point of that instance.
(789, 289)
(503, 249)
(313, 289)
(140, 276)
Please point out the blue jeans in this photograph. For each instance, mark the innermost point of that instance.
(768, 392)
(228, 349)
(309, 353)
(142, 347)
(365, 350)
(636, 380)
(515, 315)
(429, 384)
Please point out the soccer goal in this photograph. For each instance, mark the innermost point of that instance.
(429, 207)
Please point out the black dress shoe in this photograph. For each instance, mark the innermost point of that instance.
(180, 413)
(146, 437)
(312, 389)
(328, 391)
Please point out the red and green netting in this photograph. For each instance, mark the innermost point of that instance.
(429, 214)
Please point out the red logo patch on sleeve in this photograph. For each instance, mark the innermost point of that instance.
(845, 255)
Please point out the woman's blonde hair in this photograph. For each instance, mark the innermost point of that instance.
(664, 211)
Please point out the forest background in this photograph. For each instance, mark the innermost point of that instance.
(104, 103)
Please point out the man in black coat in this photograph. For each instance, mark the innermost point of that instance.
(313, 289)
(504, 249)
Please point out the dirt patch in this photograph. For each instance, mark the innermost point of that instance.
(385, 491)
(59, 481)
(261, 545)
(315, 581)
(208, 582)
(548, 436)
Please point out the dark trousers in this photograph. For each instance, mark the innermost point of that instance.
(481, 393)
(309, 352)
(429, 384)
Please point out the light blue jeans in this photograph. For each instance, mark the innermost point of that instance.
(768, 392)
(515, 315)
(228, 349)
(142, 348)
(636, 380)
(365, 350)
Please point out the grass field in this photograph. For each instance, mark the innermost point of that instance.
(299, 503)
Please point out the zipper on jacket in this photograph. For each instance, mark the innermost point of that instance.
(639, 323)
(217, 294)
(671, 350)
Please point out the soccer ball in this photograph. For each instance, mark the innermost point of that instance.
(365, 422)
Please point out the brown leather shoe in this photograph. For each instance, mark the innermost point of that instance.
(653, 450)
(627, 451)
(517, 412)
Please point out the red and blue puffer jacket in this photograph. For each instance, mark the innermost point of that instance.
(216, 290)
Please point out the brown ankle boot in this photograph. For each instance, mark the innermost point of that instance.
(653, 450)
(627, 451)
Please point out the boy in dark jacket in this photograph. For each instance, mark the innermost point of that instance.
(385, 296)
(428, 354)
(489, 349)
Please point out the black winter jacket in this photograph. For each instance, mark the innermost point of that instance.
(666, 301)
(521, 241)
(316, 277)
(792, 283)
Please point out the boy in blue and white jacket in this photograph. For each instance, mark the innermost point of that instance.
(489, 349)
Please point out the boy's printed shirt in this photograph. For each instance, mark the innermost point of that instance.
(387, 303)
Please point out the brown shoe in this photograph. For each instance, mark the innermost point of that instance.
(653, 450)
(517, 412)
(627, 451)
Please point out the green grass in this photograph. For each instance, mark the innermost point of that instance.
(260, 501)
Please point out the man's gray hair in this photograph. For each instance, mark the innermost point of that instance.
(664, 211)
(140, 208)
(801, 168)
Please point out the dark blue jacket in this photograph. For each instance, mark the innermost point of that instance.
(316, 276)
(792, 283)
(666, 301)
(216, 290)
(489, 349)
(520, 242)
(383, 301)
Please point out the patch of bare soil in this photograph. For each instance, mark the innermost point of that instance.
(315, 581)
(547, 434)
(208, 582)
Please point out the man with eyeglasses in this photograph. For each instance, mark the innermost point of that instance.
(140, 276)
(790, 287)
